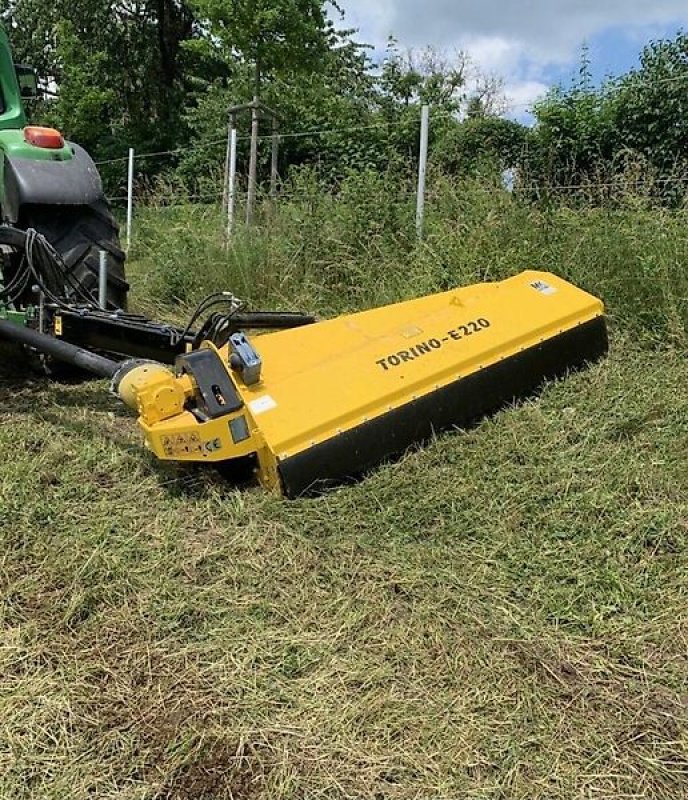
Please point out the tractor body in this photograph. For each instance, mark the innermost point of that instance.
(52, 186)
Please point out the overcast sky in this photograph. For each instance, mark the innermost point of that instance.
(531, 43)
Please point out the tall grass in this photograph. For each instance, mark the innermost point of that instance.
(331, 253)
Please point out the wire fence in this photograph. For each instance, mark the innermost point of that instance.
(229, 194)
(160, 197)
(221, 190)
(316, 132)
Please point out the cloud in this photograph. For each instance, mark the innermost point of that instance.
(521, 95)
(549, 30)
(523, 79)
(521, 40)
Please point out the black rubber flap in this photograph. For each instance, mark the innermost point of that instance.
(348, 455)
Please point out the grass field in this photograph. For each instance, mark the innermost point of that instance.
(501, 614)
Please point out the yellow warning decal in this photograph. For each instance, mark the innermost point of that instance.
(58, 325)
(180, 444)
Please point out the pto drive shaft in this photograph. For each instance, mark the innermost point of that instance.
(59, 350)
(128, 376)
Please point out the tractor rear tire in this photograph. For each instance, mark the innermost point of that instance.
(78, 233)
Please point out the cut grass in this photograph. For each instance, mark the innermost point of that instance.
(499, 614)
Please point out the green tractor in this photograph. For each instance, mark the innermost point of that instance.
(51, 187)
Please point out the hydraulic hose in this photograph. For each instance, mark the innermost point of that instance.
(59, 350)
(270, 320)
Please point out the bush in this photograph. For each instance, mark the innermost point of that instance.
(490, 143)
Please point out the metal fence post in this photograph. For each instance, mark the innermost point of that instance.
(225, 174)
(130, 196)
(422, 169)
(231, 180)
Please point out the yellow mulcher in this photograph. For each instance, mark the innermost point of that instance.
(321, 403)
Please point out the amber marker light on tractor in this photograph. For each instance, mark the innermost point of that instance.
(47, 138)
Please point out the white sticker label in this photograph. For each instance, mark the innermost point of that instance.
(543, 288)
(262, 404)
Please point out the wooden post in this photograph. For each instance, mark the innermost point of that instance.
(275, 158)
(253, 163)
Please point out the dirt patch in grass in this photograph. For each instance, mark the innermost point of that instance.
(216, 771)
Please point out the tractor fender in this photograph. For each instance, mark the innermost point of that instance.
(75, 182)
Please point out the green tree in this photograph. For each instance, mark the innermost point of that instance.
(270, 35)
(640, 118)
(425, 76)
(576, 134)
(651, 107)
(119, 68)
(31, 29)
(334, 99)
(481, 143)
